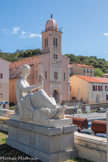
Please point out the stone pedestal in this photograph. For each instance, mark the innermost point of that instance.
(49, 144)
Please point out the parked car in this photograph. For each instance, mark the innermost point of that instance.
(102, 110)
(101, 135)
(87, 131)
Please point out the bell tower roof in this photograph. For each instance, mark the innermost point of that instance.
(51, 24)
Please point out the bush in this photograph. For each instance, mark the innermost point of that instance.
(98, 72)
(11, 104)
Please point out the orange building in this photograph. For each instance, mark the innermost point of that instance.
(51, 64)
(89, 89)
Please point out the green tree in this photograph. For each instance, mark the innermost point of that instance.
(98, 72)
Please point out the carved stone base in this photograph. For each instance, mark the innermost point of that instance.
(46, 122)
(49, 144)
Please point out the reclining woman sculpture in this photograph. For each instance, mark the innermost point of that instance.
(38, 105)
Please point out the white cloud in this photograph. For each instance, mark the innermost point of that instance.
(106, 34)
(23, 32)
(33, 35)
(29, 35)
(15, 30)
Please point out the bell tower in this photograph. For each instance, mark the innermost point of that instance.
(51, 40)
(51, 44)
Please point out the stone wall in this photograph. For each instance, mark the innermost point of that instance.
(6, 113)
(91, 147)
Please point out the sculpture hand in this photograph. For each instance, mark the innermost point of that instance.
(40, 77)
(40, 84)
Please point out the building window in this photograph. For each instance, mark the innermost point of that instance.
(87, 70)
(94, 87)
(55, 42)
(71, 72)
(55, 75)
(45, 74)
(1, 75)
(90, 70)
(1, 95)
(99, 88)
(64, 76)
(46, 42)
(106, 88)
(106, 97)
(36, 75)
(83, 70)
(55, 56)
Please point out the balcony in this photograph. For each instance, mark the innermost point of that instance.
(53, 29)
(55, 81)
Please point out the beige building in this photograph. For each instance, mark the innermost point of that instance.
(89, 89)
(105, 75)
(81, 69)
(4, 83)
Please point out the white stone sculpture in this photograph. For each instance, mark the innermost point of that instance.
(36, 106)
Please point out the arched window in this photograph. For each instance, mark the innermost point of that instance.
(55, 42)
(46, 75)
(46, 42)
(64, 76)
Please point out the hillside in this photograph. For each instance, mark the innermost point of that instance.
(92, 60)
(18, 55)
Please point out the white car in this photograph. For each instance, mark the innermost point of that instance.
(102, 110)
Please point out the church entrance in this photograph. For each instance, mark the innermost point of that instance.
(56, 95)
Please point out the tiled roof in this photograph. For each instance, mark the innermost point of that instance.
(82, 65)
(93, 79)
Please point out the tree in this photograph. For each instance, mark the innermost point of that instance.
(98, 72)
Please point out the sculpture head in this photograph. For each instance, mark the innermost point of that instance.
(25, 70)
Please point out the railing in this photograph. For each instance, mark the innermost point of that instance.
(52, 28)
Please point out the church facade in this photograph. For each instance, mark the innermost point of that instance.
(51, 64)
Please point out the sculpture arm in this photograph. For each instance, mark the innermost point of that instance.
(27, 88)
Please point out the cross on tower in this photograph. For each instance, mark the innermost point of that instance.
(51, 16)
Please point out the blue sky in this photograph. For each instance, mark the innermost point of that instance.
(84, 24)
